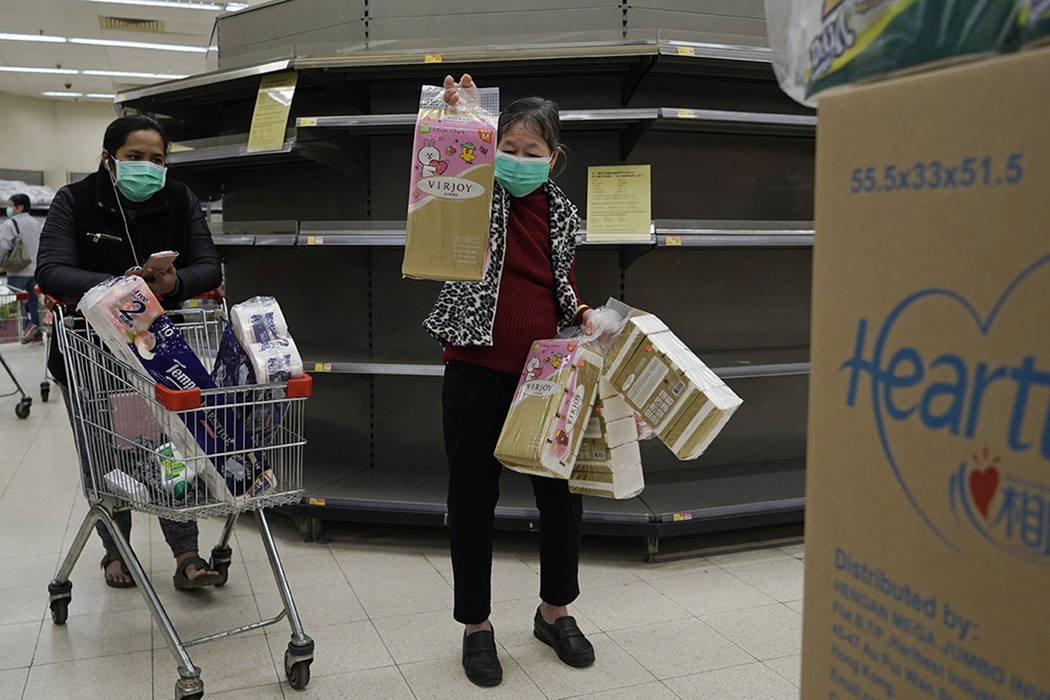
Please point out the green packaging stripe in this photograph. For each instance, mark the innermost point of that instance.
(912, 32)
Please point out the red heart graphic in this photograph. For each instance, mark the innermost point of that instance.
(439, 166)
(982, 487)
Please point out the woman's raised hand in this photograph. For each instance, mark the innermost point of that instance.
(451, 97)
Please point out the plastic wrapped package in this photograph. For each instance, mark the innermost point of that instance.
(819, 44)
(684, 402)
(450, 191)
(550, 409)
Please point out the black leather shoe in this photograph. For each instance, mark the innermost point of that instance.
(566, 639)
(479, 659)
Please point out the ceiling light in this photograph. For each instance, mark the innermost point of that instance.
(138, 45)
(50, 93)
(100, 95)
(29, 69)
(32, 37)
(130, 74)
(192, 5)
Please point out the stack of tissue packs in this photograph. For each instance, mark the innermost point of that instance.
(124, 312)
(550, 409)
(132, 323)
(686, 403)
(609, 462)
(257, 348)
(263, 334)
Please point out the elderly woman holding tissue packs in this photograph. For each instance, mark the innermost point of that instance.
(487, 328)
(108, 224)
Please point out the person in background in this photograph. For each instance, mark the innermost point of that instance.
(20, 224)
(107, 224)
(487, 328)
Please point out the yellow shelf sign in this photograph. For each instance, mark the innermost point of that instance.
(433, 58)
(619, 203)
(272, 105)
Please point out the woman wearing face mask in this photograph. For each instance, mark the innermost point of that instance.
(487, 327)
(108, 224)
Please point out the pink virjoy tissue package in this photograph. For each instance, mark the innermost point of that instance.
(450, 190)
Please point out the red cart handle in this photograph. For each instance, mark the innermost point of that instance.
(188, 399)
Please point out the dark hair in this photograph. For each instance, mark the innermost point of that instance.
(20, 200)
(118, 130)
(537, 113)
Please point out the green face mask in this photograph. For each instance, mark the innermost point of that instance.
(521, 175)
(138, 180)
(10, 211)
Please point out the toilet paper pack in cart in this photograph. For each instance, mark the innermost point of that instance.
(133, 325)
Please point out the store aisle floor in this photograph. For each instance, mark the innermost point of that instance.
(377, 602)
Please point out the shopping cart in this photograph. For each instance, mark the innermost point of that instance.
(124, 427)
(11, 301)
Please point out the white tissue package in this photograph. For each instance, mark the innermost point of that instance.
(686, 403)
(609, 463)
(262, 331)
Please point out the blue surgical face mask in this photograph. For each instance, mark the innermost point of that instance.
(138, 180)
(10, 211)
(521, 175)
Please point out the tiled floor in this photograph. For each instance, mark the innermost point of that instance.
(378, 607)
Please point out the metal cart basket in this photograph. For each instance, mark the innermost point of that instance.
(182, 455)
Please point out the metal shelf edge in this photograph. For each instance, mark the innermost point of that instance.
(202, 80)
(786, 369)
(716, 512)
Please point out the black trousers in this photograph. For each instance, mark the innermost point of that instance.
(475, 402)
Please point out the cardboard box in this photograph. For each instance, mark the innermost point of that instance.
(684, 402)
(551, 409)
(928, 478)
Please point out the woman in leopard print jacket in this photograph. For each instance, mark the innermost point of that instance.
(487, 327)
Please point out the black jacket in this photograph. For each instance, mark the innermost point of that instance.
(84, 242)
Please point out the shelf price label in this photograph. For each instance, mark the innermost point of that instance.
(686, 51)
(308, 121)
(673, 241)
(685, 114)
(679, 517)
(322, 366)
(314, 501)
(315, 240)
(433, 58)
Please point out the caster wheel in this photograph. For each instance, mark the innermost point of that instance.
(60, 611)
(22, 409)
(220, 561)
(45, 391)
(299, 675)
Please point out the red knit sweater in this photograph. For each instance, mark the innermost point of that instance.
(526, 309)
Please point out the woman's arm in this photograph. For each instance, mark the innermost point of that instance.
(58, 262)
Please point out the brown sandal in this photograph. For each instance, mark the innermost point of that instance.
(184, 582)
(109, 559)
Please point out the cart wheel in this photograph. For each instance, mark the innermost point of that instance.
(60, 594)
(220, 562)
(299, 675)
(60, 611)
(45, 391)
(189, 688)
(22, 409)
